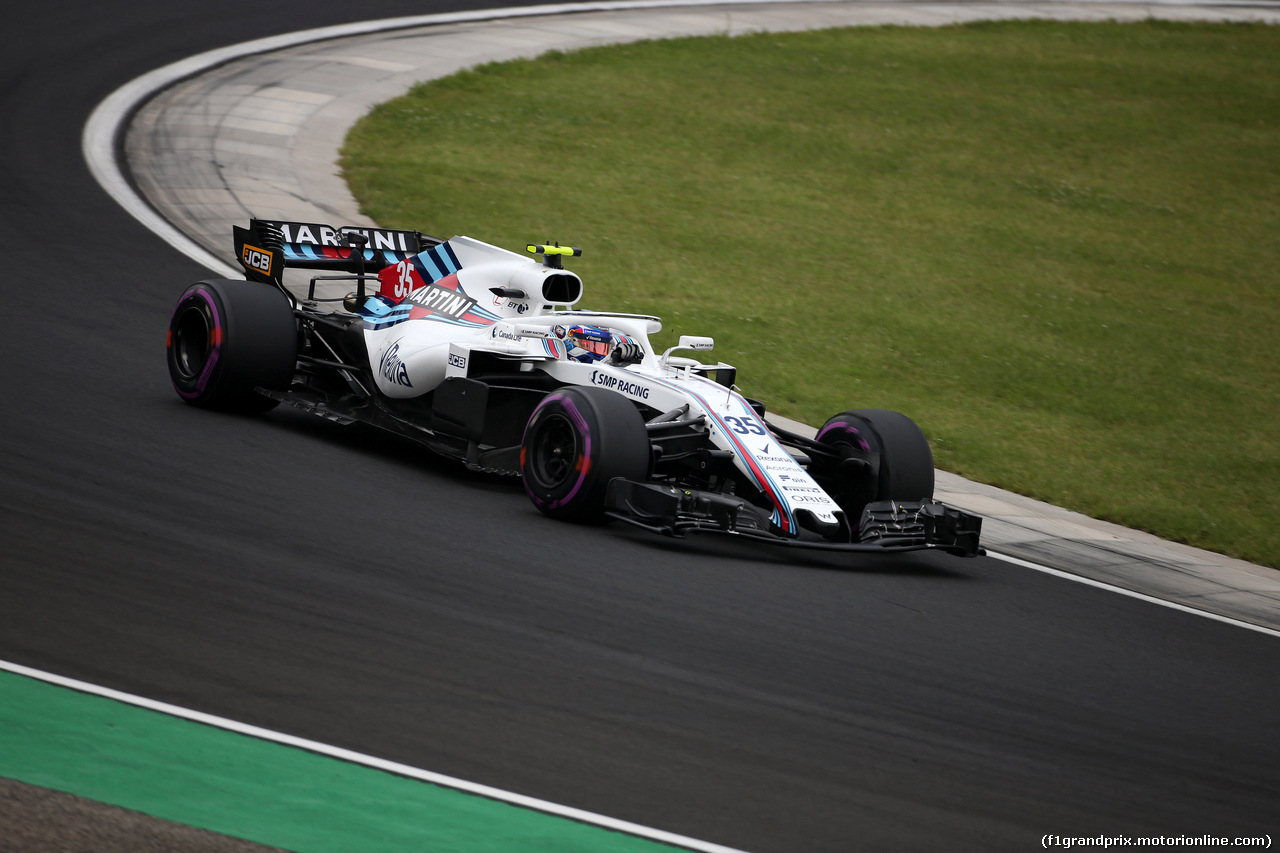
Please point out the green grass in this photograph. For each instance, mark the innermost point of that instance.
(1053, 245)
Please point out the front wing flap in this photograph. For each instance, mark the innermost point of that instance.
(892, 523)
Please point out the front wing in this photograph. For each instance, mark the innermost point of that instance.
(885, 526)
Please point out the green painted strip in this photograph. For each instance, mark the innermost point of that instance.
(256, 790)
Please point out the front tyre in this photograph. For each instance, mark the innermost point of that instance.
(905, 470)
(228, 338)
(576, 441)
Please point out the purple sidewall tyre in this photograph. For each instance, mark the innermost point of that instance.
(905, 470)
(576, 441)
(227, 339)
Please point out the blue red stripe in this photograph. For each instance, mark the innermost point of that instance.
(311, 252)
(782, 512)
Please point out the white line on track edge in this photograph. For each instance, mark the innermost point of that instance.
(102, 130)
(1142, 596)
(370, 761)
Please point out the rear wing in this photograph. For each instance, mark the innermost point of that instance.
(267, 247)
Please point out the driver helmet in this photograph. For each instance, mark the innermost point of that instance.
(588, 343)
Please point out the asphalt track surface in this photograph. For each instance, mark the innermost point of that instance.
(348, 589)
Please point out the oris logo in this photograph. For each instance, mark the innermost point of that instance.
(257, 259)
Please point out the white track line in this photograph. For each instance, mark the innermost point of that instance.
(103, 130)
(370, 761)
(1058, 573)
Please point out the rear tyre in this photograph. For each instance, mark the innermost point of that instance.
(906, 460)
(228, 338)
(576, 441)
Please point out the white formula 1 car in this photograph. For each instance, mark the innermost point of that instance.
(477, 353)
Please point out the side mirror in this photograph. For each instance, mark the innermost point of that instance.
(695, 342)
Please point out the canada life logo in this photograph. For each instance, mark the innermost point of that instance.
(255, 258)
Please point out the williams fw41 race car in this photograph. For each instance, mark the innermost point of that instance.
(478, 353)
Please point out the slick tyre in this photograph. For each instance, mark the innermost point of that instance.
(576, 441)
(906, 461)
(228, 338)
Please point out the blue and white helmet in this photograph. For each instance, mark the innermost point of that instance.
(588, 343)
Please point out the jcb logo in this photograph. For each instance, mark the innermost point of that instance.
(254, 258)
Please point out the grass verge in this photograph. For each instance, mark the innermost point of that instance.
(1052, 244)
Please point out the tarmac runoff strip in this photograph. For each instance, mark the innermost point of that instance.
(271, 788)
